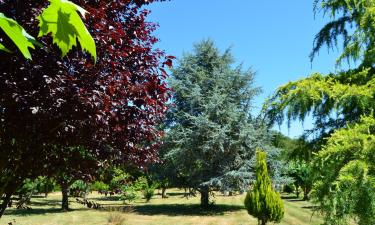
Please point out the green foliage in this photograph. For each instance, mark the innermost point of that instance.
(28, 188)
(346, 186)
(61, 20)
(353, 21)
(140, 184)
(349, 94)
(79, 188)
(119, 179)
(130, 194)
(262, 201)
(99, 186)
(342, 105)
(131, 190)
(148, 192)
(18, 35)
(211, 136)
(45, 185)
(302, 175)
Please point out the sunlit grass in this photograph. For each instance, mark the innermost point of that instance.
(228, 210)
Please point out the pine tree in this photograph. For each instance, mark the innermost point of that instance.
(262, 201)
(212, 137)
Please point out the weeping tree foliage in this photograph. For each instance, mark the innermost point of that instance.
(211, 138)
(342, 105)
(261, 200)
(346, 187)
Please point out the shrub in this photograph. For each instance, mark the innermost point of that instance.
(262, 201)
(100, 186)
(129, 194)
(79, 189)
(148, 193)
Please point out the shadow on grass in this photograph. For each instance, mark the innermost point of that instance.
(312, 207)
(47, 202)
(108, 198)
(175, 194)
(37, 211)
(289, 197)
(295, 200)
(184, 209)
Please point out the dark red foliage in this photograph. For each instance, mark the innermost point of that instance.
(111, 108)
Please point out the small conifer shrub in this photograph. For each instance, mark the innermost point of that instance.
(261, 200)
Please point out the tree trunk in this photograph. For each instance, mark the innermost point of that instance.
(4, 204)
(65, 197)
(297, 191)
(204, 196)
(163, 192)
(46, 191)
(306, 194)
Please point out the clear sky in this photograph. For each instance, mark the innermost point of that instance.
(272, 37)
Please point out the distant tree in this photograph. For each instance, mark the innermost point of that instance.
(302, 174)
(79, 164)
(261, 200)
(298, 153)
(211, 137)
(111, 108)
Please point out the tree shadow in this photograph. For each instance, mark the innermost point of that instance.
(37, 211)
(176, 194)
(184, 209)
(47, 202)
(289, 197)
(295, 200)
(312, 207)
(292, 198)
(106, 198)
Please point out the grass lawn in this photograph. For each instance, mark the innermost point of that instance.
(176, 209)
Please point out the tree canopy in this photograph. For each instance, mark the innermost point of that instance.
(211, 137)
(51, 107)
(342, 105)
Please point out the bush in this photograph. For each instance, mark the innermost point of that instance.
(130, 194)
(45, 185)
(131, 191)
(262, 201)
(100, 186)
(148, 193)
(79, 189)
(140, 184)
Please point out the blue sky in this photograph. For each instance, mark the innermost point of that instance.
(274, 38)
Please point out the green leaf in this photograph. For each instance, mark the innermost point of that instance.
(61, 20)
(18, 35)
(3, 48)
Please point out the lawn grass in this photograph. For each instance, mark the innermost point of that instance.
(228, 210)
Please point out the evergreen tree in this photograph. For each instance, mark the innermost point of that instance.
(262, 201)
(211, 138)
